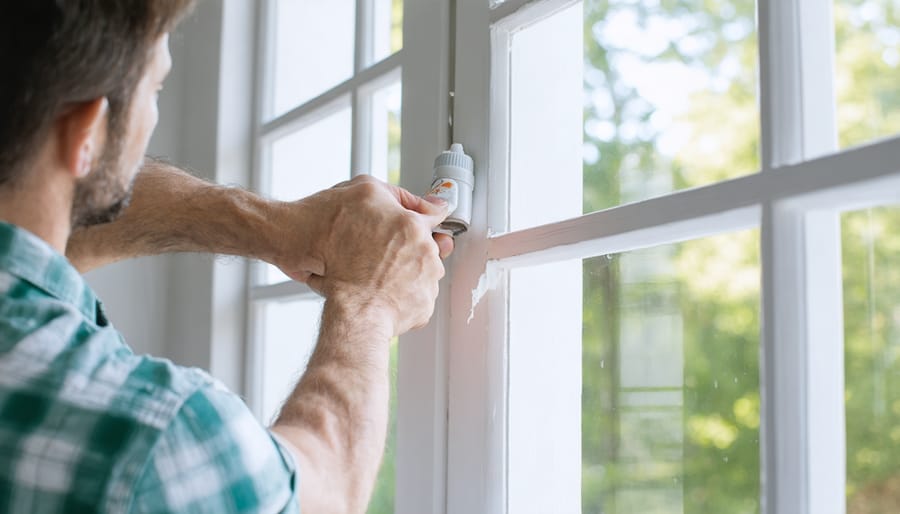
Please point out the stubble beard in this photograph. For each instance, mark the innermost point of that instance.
(105, 192)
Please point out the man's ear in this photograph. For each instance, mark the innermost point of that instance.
(82, 136)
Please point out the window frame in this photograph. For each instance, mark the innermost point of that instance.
(347, 94)
(451, 413)
(795, 200)
(422, 66)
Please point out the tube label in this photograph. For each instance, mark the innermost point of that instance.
(446, 189)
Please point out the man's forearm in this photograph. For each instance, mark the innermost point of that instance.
(173, 211)
(337, 415)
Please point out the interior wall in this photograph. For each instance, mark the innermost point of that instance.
(162, 304)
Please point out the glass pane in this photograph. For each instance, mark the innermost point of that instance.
(385, 134)
(388, 28)
(871, 261)
(307, 161)
(383, 497)
(868, 69)
(290, 331)
(664, 96)
(667, 382)
(314, 43)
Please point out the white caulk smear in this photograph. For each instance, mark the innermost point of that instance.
(489, 280)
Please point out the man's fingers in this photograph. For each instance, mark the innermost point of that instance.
(435, 209)
(445, 244)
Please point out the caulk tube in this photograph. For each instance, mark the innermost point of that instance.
(454, 181)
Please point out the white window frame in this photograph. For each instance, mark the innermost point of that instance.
(423, 68)
(795, 200)
(451, 447)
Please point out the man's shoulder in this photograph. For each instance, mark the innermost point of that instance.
(49, 347)
(80, 413)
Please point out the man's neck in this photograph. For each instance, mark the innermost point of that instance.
(45, 212)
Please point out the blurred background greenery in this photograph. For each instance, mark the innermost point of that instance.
(693, 446)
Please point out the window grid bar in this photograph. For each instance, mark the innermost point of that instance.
(265, 56)
(362, 35)
(358, 154)
(357, 126)
(721, 206)
(343, 89)
(282, 291)
(509, 8)
(262, 102)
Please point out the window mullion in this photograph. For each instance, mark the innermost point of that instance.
(477, 413)
(422, 364)
(358, 155)
(802, 346)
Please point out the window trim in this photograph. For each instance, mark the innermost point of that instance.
(795, 200)
(422, 66)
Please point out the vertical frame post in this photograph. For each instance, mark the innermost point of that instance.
(802, 348)
(422, 375)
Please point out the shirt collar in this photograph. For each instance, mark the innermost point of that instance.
(33, 260)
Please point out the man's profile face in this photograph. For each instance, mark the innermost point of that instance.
(102, 195)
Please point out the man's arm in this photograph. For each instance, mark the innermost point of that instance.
(173, 211)
(382, 284)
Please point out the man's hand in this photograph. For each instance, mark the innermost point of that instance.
(372, 255)
(372, 246)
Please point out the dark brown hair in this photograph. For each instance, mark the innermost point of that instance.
(58, 53)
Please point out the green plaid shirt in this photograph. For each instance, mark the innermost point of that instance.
(87, 426)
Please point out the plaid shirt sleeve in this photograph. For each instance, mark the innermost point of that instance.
(215, 457)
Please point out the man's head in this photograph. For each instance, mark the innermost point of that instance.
(79, 92)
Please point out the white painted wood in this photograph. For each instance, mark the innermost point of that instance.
(783, 366)
(724, 206)
(260, 173)
(585, 238)
(361, 121)
(359, 147)
(802, 348)
(476, 461)
(521, 13)
(264, 100)
(498, 171)
(421, 456)
(826, 424)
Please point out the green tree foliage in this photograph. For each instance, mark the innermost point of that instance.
(383, 496)
(712, 285)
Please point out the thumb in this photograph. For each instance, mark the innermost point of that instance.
(434, 209)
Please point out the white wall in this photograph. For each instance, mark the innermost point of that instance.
(165, 306)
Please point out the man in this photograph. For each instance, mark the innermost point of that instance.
(87, 426)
